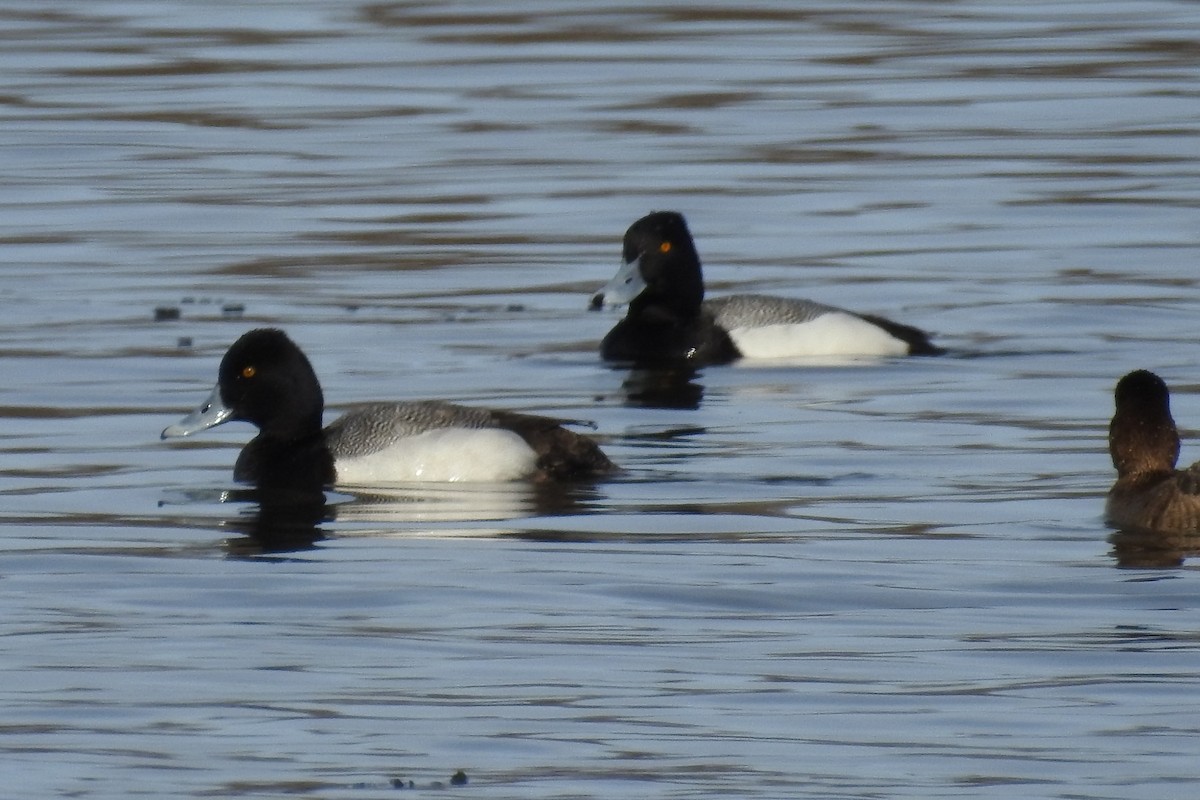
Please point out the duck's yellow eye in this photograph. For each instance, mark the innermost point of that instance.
(249, 372)
(665, 247)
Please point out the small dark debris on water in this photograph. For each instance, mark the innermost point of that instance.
(183, 342)
(515, 308)
(457, 779)
(166, 313)
(232, 310)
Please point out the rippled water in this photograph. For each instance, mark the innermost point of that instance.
(869, 580)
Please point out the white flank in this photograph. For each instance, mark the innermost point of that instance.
(446, 454)
(832, 334)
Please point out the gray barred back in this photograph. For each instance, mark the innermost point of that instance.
(363, 430)
(758, 310)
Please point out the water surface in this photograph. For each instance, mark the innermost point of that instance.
(862, 580)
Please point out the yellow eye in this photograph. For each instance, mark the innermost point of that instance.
(665, 247)
(249, 372)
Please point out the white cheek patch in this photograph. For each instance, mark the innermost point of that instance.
(446, 454)
(832, 334)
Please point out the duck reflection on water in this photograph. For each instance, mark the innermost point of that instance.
(274, 522)
(671, 388)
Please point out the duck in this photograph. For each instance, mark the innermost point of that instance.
(1149, 493)
(267, 380)
(669, 321)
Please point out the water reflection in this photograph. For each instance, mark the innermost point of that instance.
(276, 521)
(461, 502)
(1142, 548)
(670, 388)
(273, 521)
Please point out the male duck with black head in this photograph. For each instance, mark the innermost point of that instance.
(669, 322)
(1150, 493)
(266, 380)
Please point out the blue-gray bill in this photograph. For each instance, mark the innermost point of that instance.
(627, 284)
(211, 413)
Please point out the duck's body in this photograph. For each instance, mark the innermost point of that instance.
(1149, 493)
(670, 322)
(438, 441)
(1168, 503)
(266, 380)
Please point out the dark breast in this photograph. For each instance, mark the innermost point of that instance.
(661, 339)
(268, 463)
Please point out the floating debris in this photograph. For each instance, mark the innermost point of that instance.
(457, 779)
(166, 313)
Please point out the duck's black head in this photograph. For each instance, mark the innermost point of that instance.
(266, 380)
(661, 245)
(660, 270)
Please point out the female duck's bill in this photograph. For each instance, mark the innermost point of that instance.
(266, 380)
(1149, 493)
(669, 321)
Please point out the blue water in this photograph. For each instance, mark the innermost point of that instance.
(860, 580)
